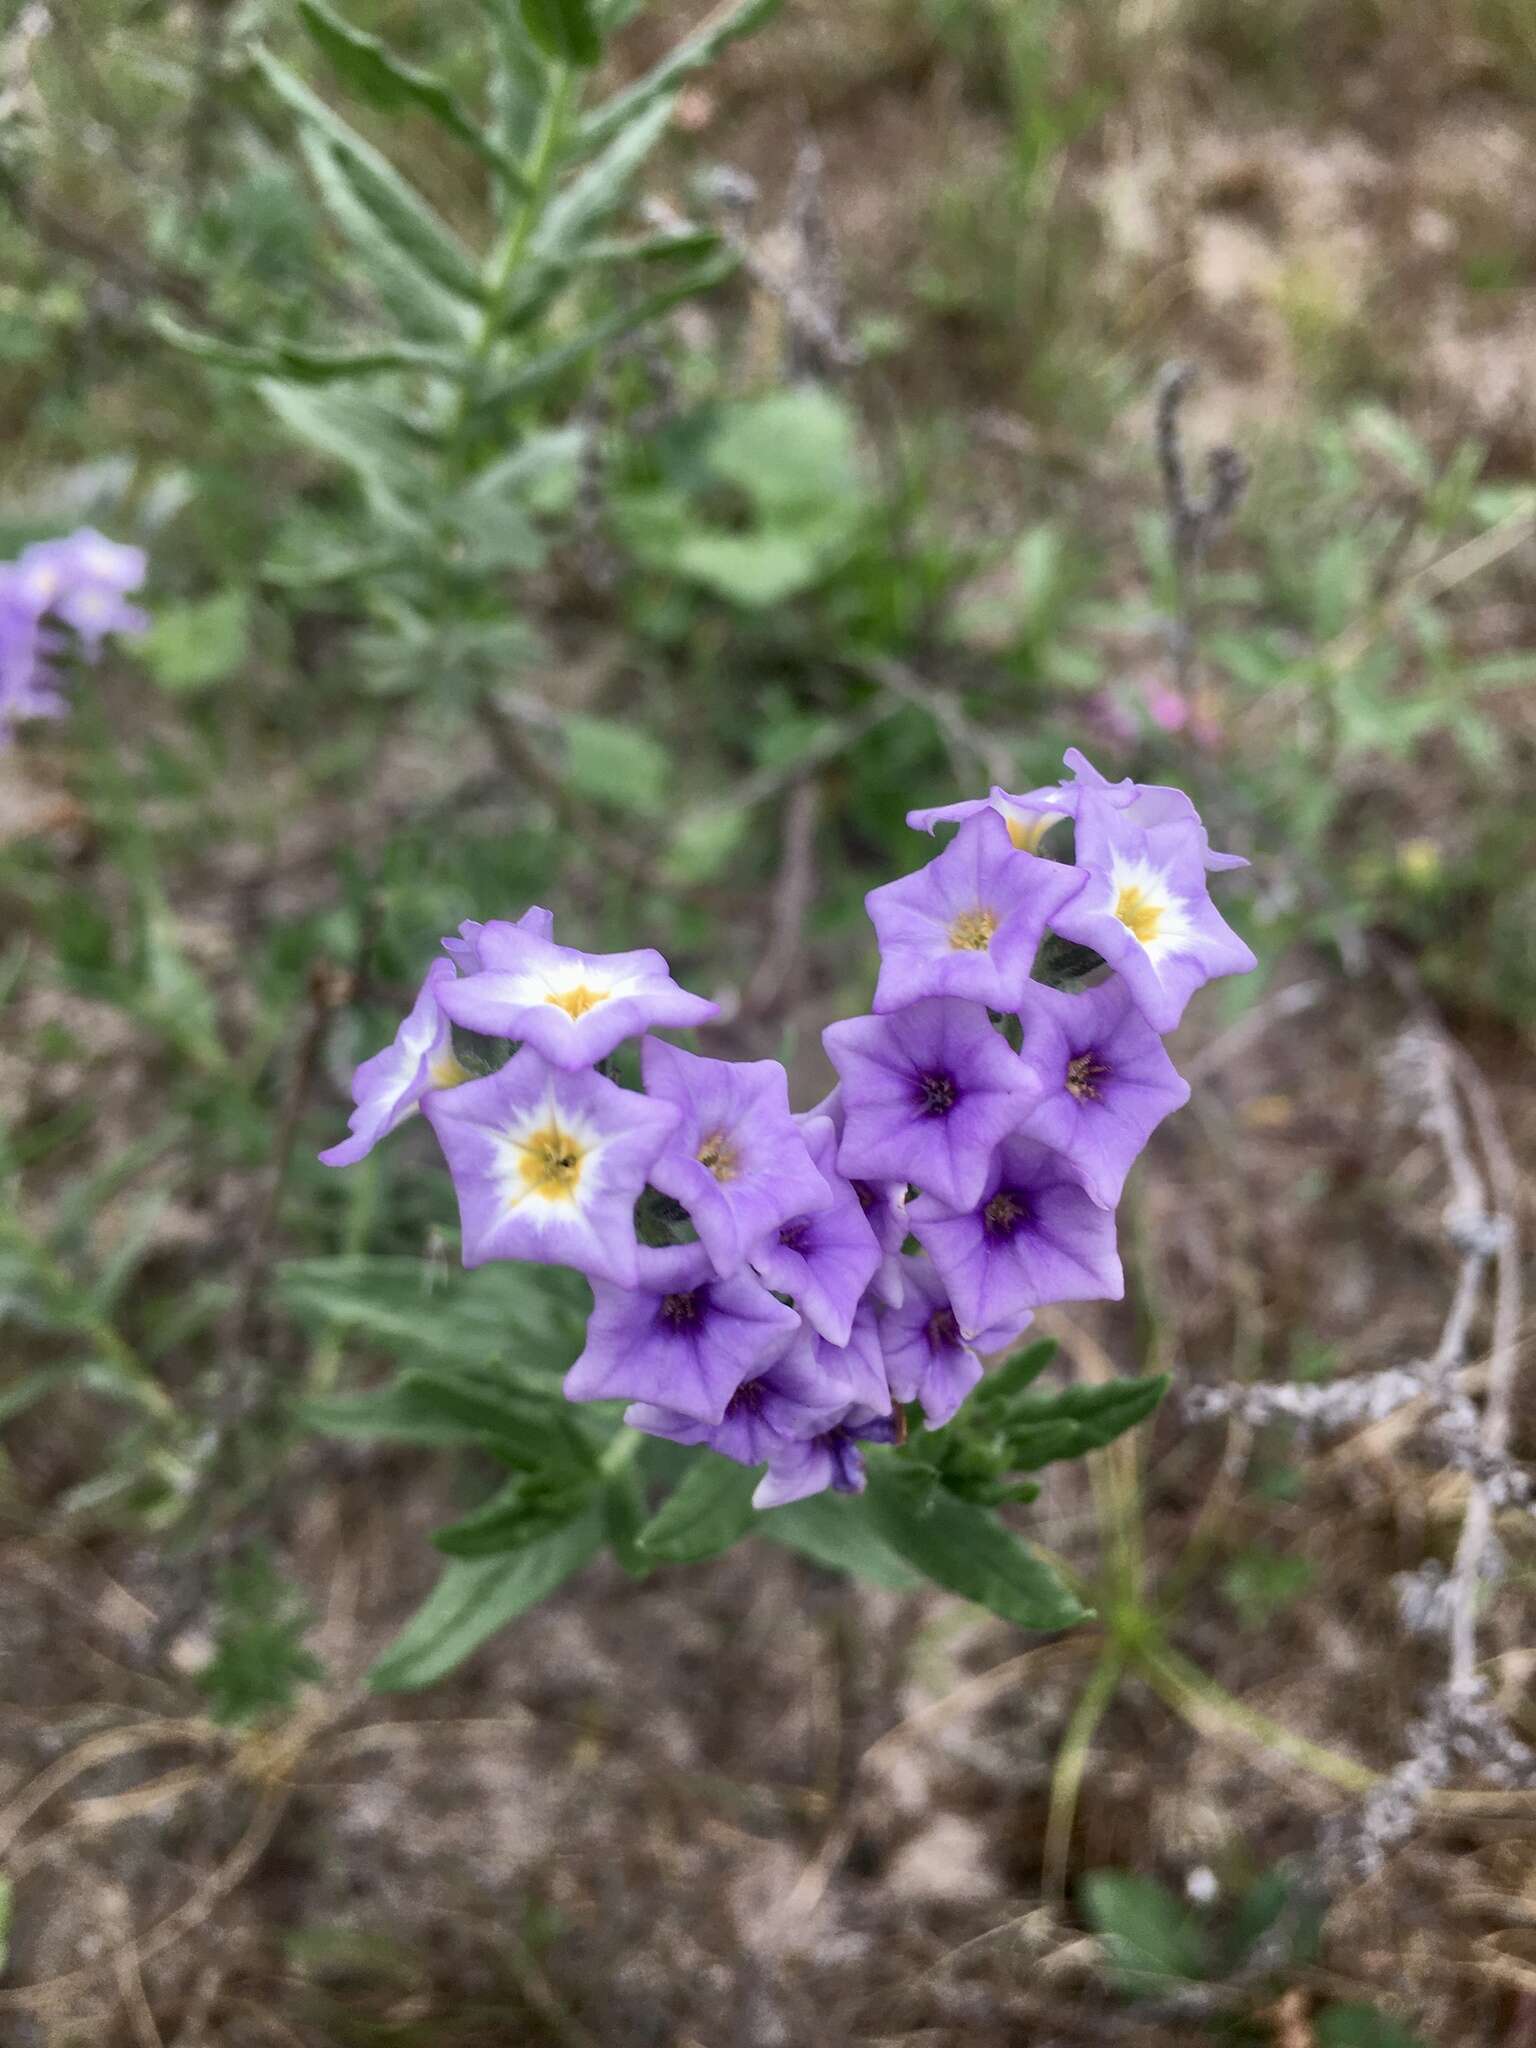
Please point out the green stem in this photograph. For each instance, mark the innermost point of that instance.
(512, 244)
(1206, 1705)
(1071, 1764)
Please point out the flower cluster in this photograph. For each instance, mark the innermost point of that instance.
(80, 582)
(753, 1287)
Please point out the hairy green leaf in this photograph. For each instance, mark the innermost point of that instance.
(387, 82)
(705, 1514)
(421, 237)
(1042, 1429)
(471, 1601)
(736, 18)
(966, 1549)
(1148, 1933)
(837, 1531)
(563, 29)
(300, 365)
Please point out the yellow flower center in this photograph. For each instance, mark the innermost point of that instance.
(1084, 1075)
(550, 1163)
(972, 931)
(577, 1001)
(1138, 913)
(1027, 833)
(446, 1072)
(717, 1156)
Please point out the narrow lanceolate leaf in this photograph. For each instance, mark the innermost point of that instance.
(706, 1513)
(300, 365)
(1019, 1370)
(401, 213)
(595, 192)
(967, 1550)
(471, 1601)
(738, 18)
(563, 29)
(1042, 1429)
(387, 82)
(836, 1530)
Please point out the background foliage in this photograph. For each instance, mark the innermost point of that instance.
(636, 507)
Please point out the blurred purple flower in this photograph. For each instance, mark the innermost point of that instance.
(1109, 1081)
(927, 1095)
(970, 923)
(80, 580)
(572, 1007)
(1032, 1235)
(737, 1160)
(681, 1338)
(548, 1165)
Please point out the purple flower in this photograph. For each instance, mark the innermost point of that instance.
(1032, 1235)
(1109, 1082)
(464, 951)
(970, 923)
(827, 1258)
(831, 1459)
(387, 1087)
(572, 1007)
(776, 1406)
(737, 1161)
(1146, 909)
(926, 1358)
(680, 1338)
(928, 1093)
(84, 579)
(884, 1204)
(1028, 817)
(856, 1368)
(26, 682)
(547, 1165)
(1147, 804)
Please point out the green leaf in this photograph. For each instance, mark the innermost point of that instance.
(1148, 1933)
(738, 18)
(618, 765)
(966, 1549)
(1043, 1429)
(259, 1660)
(421, 237)
(836, 1530)
(595, 192)
(412, 297)
(517, 1514)
(563, 29)
(1360, 2026)
(377, 75)
(299, 365)
(1018, 1371)
(190, 647)
(6, 1896)
(790, 452)
(433, 1409)
(707, 1513)
(364, 437)
(471, 1601)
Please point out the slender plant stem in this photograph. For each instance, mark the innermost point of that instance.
(1071, 1765)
